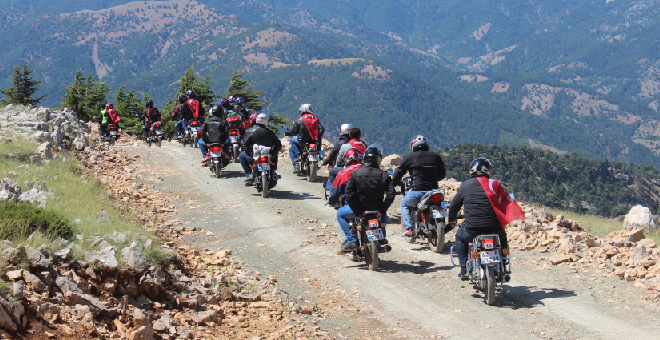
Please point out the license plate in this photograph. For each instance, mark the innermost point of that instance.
(375, 235)
(436, 214)
(194, 129)
(113, 133)
(158, 132)
(313, 158)
(490, 257)
(234, 139)
(264, 166)
(216, 154)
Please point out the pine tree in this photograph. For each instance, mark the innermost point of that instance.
(129, 108)
(203, 89)
(23, 87)
(239, 87)
(84, 96)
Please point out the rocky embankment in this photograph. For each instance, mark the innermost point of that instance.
(114, 292)
(626, 254)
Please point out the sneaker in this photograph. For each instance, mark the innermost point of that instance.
(463, 274)
(349, 246)
(409, 232)
(206, 159)
(384, 249)
(383, 242)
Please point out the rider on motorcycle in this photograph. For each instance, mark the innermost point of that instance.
(214, 130)
(259, 134)
(343, 139)
(338, 185)
(487, 210)
(180, 127)
(368, 188)
(426, 169)
(192, 109)
(103, 123)
(150, 116)
(307, 129)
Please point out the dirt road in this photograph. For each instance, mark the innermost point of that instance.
(415, 294)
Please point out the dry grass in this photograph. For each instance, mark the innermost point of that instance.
(601, 226)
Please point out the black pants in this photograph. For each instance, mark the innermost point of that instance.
(103, 129)
(465, 237)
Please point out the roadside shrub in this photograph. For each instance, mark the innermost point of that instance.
(19, 220)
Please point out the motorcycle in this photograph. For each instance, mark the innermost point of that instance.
(217, 159)
(235, 140)
(264, 180)
(430, 220)
(307, 163)
(486, 265)
(194, 126)
(369, 233)
(155, 134)
(112, 135)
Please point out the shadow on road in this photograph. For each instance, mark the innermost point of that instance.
(425, 247)
(421, 267)
(288, 195)
(517, 297)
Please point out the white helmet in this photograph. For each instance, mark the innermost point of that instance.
(345, 128)
(306, 108)
(262, 118)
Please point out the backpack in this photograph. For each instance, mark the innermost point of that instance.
(114, 117)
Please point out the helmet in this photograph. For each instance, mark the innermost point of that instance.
(109, 106)
(253, 117)
(149, 103)
(182, 98)
(373, 155)
(352, 156)
(191, 94)
(240, 101)
(306, 108)
(262, 118)
(345, 128)
(231, 99)
(480, 167)
(223, 102)
(419, 143)
(103, 105)
(215, 111)
(342, 153)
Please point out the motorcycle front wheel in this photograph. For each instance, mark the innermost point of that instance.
(264, 185)
(490, 285)
(371, 254)
(437, 236)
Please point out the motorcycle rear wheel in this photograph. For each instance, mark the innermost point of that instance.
(490, 285)
(437, 237)
(311, 172)
(264, 186)
(159, 141)
(235, 151)
(371, 254)
(111, 140)
(218, 170)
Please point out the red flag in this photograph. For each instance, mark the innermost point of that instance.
(344, 175)
(506, 209)
(312, 124)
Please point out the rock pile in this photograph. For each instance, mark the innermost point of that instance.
(10, 192)
(626, 254)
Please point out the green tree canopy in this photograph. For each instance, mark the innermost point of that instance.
(128, 106)
(84, 96)
(239, 87)
(203, 89)
(23, 87)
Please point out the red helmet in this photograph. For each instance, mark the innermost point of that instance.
(253, 117)
(353, 156)
(109, 106)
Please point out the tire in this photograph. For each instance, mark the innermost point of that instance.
(148, 142)
(218, 170)
(311, 174)
(235, 151)
(437, 237)
(264, 185)
(490, 285)
(111, 140)
(371, 254)
(159, 141)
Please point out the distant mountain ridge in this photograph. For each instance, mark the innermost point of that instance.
(357, 64)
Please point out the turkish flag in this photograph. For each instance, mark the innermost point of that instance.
(506, 209)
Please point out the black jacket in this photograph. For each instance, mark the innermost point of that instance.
(332, 157)
(479, 214)
(214, 130)
(300, 129)
(426, 169)
(368, 189)
(260, 135)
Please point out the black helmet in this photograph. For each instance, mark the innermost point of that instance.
(149, 103)
(419, 143)
(182, 98)
(215, 111)
(480, 167)
(191, 94)
(373, 155)
(103, 105)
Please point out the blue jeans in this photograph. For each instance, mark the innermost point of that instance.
(246, 163)
(332, 175)
(408, 202)
(344, 214)
(294, 150)
(203, 147)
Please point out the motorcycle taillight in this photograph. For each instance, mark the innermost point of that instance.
(487, 243)
(215, 148)
(263, 160)
(437, 198)
(157, 126)
(194, 122)
(233, 133)
(112, 127)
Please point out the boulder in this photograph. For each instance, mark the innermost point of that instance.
(37, 258)
(6, 322)
(67, 286)
(133, 257)
(9, 191)
(35, 197)
(44, 151)
(640, 217)
(34, 281)
(391, 160)
(105, 255)
(142, 333)
(72, 298)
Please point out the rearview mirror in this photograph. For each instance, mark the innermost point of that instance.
(285, 127)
